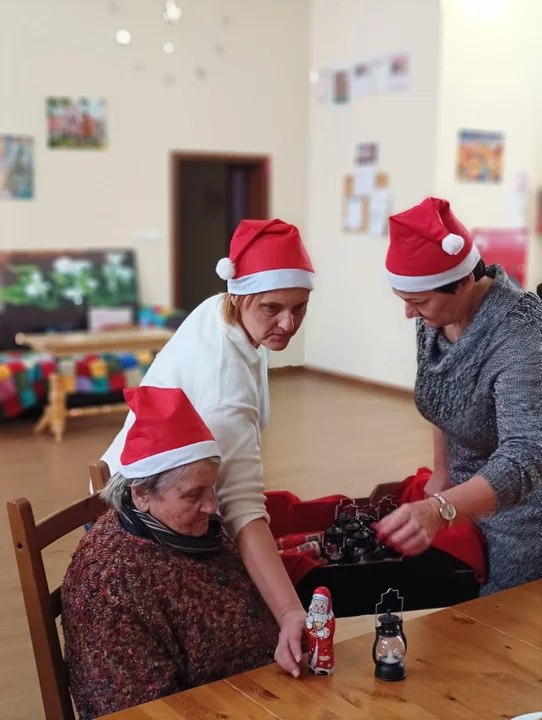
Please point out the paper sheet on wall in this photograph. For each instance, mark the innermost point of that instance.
(354, 214)
(379, 212)
(517, 210)
(364, 180)
(398, 71)
(363, 78)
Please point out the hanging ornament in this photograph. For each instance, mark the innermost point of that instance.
(201, 73)
(172, 12)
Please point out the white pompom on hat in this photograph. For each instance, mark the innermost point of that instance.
(429, 248)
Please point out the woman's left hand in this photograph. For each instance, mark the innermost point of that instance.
(411, 528)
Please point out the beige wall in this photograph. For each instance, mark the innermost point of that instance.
(491, 57)
(355, 324)
(254, 100)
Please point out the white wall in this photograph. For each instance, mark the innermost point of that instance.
(491, 57)
(355, 324)
(254, 100)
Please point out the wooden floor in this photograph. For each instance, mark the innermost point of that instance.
(325, 436)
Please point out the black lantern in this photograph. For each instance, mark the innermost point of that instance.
(390, 645)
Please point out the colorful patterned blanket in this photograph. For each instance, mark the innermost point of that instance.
(24, 375)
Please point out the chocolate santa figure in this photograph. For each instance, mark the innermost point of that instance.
(320, 631)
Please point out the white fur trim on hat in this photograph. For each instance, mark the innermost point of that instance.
(453, 244)
(407, 283)
(271, 280)
(225, 269)
(319, 596)
(170, 459)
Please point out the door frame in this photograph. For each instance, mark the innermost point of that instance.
(258, 200)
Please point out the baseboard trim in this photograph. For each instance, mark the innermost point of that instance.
(359, 381)
(287, 370)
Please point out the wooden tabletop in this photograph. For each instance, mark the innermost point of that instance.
(477, 661)
(516, 612)
(72, 343)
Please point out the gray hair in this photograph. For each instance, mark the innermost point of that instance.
(115, 489)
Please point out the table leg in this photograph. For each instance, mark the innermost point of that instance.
(44, 421)
(57, 406)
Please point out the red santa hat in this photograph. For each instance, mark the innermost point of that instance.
(323, 594)
(167, 432)
(429, 248)
(266, 255)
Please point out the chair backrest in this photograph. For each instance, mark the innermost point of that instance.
(99, 475)
(43, 606)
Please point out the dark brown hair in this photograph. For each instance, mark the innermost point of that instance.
(479, 272)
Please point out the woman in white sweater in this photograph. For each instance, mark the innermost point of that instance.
(219, 357)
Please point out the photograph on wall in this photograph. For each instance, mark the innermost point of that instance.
(480, 156)
(366, 154)
(398, 69)
(16, 167)
(341, 86)
(77, 123)
(363, 78)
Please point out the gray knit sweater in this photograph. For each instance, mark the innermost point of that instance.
(485, 393)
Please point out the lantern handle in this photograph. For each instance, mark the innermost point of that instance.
(399, 597)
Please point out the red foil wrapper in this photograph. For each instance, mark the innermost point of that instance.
(295, 539)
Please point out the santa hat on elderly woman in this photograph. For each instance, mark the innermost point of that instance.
(429, 248)
(266, 255)
(167, 432)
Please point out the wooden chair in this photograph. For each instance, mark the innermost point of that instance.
(99, 475)
(43, 606)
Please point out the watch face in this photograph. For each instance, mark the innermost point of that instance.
(448, 512)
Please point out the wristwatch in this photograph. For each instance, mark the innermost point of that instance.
(447, 510)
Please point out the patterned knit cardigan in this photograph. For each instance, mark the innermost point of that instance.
(142, 620)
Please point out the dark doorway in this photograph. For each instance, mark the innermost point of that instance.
(211, 194)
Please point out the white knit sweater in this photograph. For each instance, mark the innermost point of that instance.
(225, 378)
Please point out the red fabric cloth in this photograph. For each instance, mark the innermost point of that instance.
(463, 541)
(288, 514)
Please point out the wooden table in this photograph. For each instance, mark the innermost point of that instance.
(61, 345)
(478, 661)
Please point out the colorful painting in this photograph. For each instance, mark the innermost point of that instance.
(77, 123)
(480, 156)
(16, 167)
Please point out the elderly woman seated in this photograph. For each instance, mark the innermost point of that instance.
(156, 599)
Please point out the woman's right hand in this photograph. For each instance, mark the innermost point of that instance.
(438, 482)
(288, 652)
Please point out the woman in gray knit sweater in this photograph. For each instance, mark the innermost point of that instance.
(479, 383)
